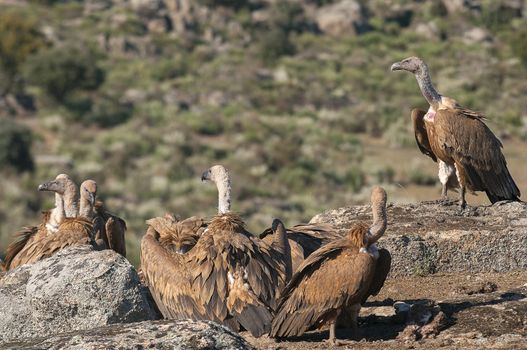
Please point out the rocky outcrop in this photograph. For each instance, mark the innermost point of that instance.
(426, 237)
(175, 335)
(342, 18)
(75, 289)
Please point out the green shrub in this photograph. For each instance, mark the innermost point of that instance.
(19, 37)
(15, 146)
(107, 112)
(61, 70)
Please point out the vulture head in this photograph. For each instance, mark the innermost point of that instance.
(413, 65)
(64, 186)
(60, 185)
(89, 191)
(220, 176)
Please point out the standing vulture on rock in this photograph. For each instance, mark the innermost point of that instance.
(109, 229)
(71, 231)
(229, 276)
(459, 138)
(336, 279)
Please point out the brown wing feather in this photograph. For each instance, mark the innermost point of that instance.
(15, 251)
(167, 277)
(224, 253)
(421, 136)
(331, 278)
(466, 139)
(71, 232)
(382, 268)
(114, 230)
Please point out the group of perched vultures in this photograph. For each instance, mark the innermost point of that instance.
(286, 281)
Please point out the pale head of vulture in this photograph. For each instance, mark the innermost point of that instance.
(88, 194)
(413, 65)
(64, 186)
(220, 176)
(418, 67)
(89, 191)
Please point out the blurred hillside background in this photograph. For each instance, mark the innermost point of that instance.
(294, 97)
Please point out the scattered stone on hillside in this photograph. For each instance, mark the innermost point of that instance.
(175, 335)
(75, 289)
(345, 17)
(477, 35)
(429, 30)
(426, 238)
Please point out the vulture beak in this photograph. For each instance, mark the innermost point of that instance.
(52, 186)
(276, 224)
(92, 198)
(396, 66)
(206, 175)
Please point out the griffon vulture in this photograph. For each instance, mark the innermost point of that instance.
(336, 279)
(229, 276)
(51, 219)
(71, 231)
(109, 229)
(460, 139)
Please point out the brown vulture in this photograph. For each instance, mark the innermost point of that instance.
(109, 229)
(229, 276)
(336, 279)
(459, 138)
(72, 230)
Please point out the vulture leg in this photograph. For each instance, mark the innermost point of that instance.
(462, 201)
(332, 330)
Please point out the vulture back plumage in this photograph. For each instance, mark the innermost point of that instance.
(336, 278)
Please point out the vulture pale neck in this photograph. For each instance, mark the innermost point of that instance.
(57, 214)
(224, 194)
(85, 206)
(71, 199)
(378, 206)
(427, 89)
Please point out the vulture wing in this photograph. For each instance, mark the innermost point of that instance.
(463, 135)
(310, 237)
(15, 255)
(421, 137)
(167, 278)
(330, 278)
(114, 229)
(71, 232)
(382, 268)
(235, 275)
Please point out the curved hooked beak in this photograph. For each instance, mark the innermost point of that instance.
(91, 198)
(206, 175)
(396, 66)
(52, 186)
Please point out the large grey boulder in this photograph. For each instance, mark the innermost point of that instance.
(426, 238)
(175, 335)
(345, 17)
(77, 288)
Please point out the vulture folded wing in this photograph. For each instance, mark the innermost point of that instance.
(115, 231)
(71, 232)
(476, 152)
(382, 268)
(421, 137)
(323, 284)
(167, 278)
(218, 260)
(15, 255)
